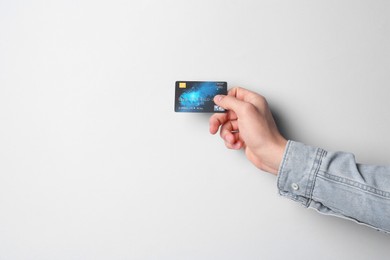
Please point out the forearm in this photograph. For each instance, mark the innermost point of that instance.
(333, 183)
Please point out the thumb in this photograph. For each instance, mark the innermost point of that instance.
(229, 103)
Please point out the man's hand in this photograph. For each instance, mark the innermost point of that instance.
(249, 125)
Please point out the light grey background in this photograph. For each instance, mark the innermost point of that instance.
(94, 163)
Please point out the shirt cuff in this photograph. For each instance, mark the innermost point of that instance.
(298, 171)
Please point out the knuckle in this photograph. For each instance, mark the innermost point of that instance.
(248, 108)
(262, 98)
(228, 146)
(239, 88)
(261, 103)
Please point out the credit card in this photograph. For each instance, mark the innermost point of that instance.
(197, 96)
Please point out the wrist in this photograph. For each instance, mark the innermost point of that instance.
(278, 155)
(269, 157)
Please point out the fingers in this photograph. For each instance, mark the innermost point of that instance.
(232, 139)
(239, 103)
(229, 102)
(236, 146)
(241, 93)
(226, 131)
(219, 119)
(215, 121)
(237, 97)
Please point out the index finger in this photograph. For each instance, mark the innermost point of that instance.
(218, 119)
(246, 95)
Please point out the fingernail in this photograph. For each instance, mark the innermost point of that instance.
(218, 98)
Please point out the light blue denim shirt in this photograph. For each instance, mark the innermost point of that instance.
(333, 183)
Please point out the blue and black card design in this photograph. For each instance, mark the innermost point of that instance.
(197, 96)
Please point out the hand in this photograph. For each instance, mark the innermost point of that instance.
(249, 125)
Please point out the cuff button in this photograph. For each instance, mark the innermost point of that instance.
(294, 186)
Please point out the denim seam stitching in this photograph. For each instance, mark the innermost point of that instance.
(281, 175)
(354, 184)
(340, 214)
(284, 162)
(313, 174)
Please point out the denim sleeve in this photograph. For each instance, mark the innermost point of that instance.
(333, 183)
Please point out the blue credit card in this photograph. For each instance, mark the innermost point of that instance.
(197, 96)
